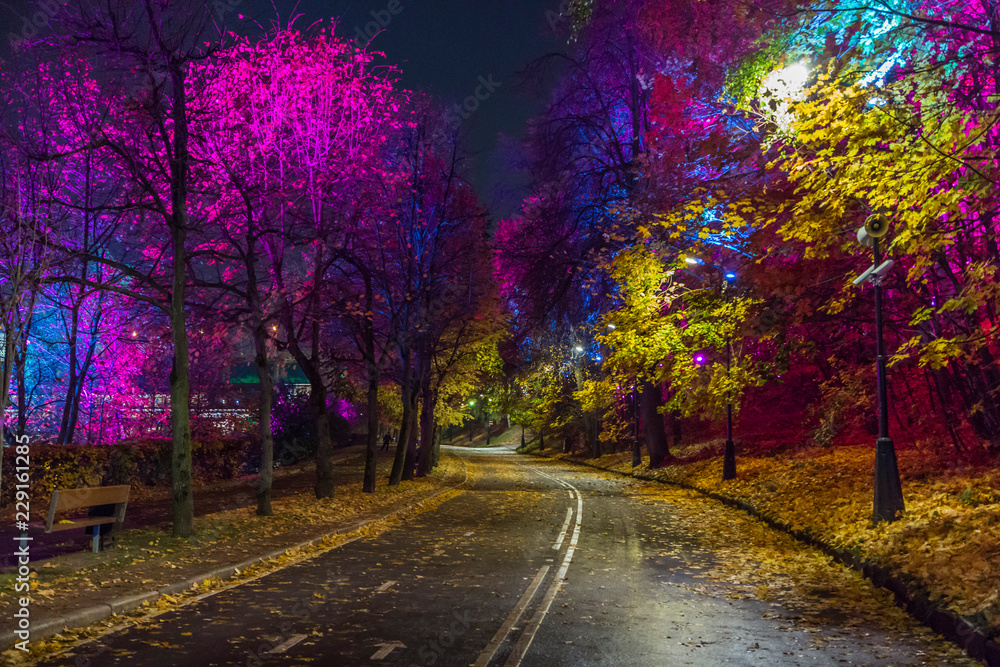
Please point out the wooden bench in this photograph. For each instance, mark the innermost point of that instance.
(67, 500)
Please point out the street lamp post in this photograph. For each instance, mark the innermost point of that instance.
(729, 456)
(888, 500)
(472, 421)
(636, 447)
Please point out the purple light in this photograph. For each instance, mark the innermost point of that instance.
(699, 359)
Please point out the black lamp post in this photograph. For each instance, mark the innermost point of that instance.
(888, 501)
(636, 447)
(729, 457)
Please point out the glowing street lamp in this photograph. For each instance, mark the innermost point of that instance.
(780, 86)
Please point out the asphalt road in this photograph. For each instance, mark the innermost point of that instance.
(541, 564)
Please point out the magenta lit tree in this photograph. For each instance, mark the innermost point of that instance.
(299, 122)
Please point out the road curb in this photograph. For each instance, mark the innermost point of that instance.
(99, 612)
(947, 623)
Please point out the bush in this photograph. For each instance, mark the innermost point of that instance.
(139, 463)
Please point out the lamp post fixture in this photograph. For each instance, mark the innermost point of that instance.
(636, 446)
(729, 456)
(472, 421)
(888, 500)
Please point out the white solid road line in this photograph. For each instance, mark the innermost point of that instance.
(521, 648)
(562, 534)
(513, 617)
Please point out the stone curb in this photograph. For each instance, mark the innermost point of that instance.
(99, 612)
(947, 623)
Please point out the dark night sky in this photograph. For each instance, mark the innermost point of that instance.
(442, 47)
(445, 46)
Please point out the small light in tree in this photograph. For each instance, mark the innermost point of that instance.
(699, 359)
(692, 260)
(611, 326)
(578, 348)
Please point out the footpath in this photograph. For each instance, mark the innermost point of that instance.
(940, 560)
(76, 594)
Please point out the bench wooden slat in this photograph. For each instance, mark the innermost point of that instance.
(84, 522)
(70, 499)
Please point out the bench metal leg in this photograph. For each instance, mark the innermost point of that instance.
(97, 538)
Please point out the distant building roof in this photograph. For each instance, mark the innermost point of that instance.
(289, 373)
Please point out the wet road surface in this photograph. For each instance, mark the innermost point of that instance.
(542, 564)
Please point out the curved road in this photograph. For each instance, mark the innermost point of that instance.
(538, 563)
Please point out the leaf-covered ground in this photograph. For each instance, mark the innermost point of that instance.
(148, 559)
(947, 543)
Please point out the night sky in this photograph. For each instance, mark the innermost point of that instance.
(442, 47)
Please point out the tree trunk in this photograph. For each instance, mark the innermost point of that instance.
(438, 437)
(371, 452)
(264, 421)
(399, 461)
(324, 443)
(180, 379)
(416, 389)
(65, 437)
(5, 371)
(589, 421)
(22, 395)
(180, 392)
(410, 458)
(81, 378)
(317, 400)
(652, 422)
(426, 458)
